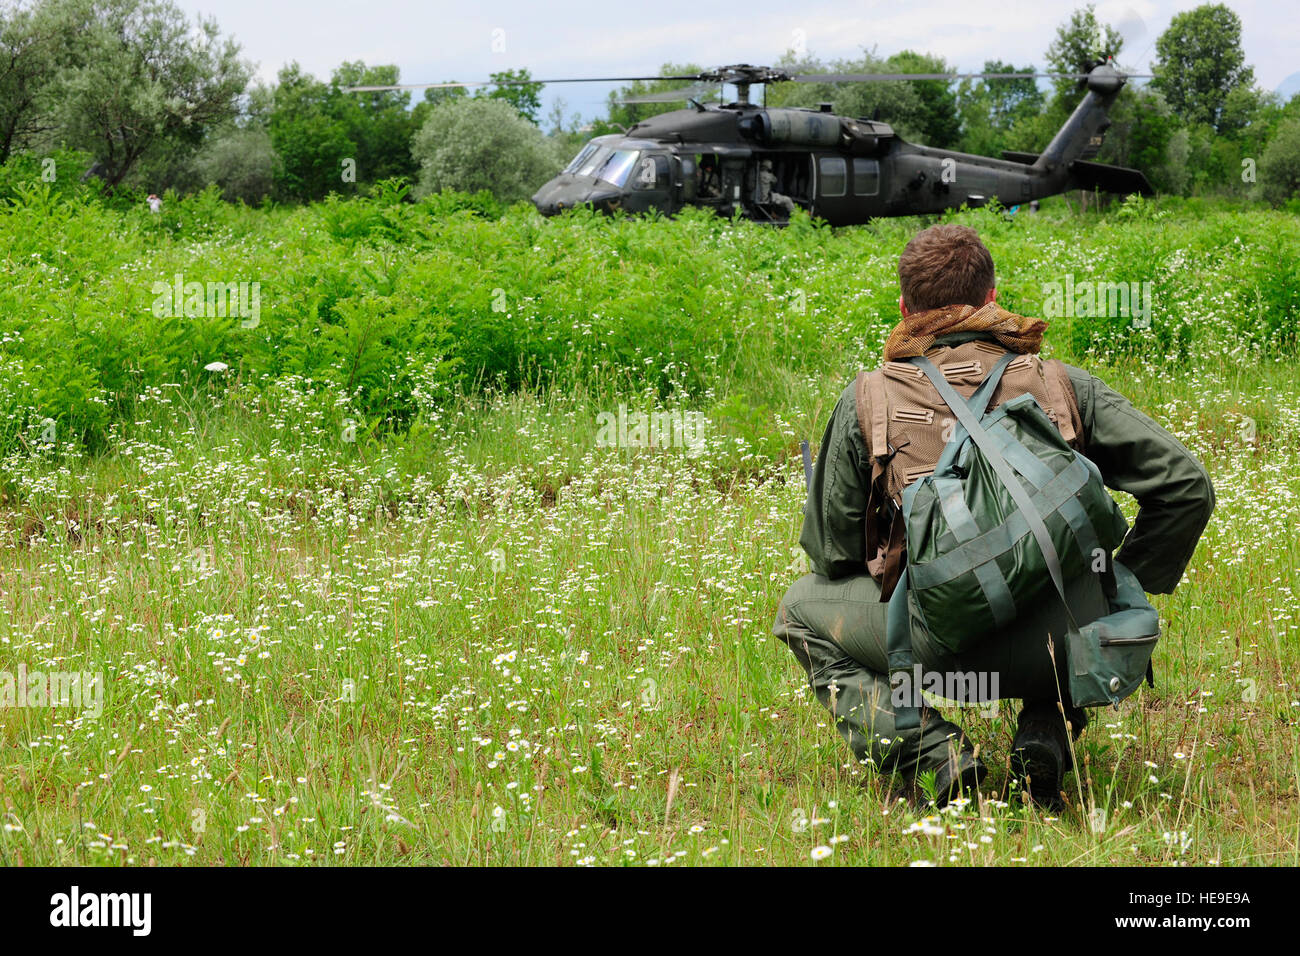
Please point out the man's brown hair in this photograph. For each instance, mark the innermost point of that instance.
(945, 265)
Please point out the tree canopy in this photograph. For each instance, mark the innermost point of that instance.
(154, 99)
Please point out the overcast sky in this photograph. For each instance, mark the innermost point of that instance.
(441, 40)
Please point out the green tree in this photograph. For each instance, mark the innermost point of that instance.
(482, 143)
(378, 123)
(564, 133)
(937, 110)
(313, 144)
(990, 109)
(33, 41)
(1080, 43)
(432, 97)
(514, 87)
(1279, 167)
(1199, 63)
(143, 79)
(242, 161)
(1142, 128)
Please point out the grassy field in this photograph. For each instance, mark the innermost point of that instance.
(468, 632)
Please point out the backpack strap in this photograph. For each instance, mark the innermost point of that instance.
(1060, 392)
(873, 412)
(873, 422)
(906, 697)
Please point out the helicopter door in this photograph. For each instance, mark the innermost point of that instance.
(686, 181)
(651, 184)
(794, 178)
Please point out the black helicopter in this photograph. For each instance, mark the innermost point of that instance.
(767, 162)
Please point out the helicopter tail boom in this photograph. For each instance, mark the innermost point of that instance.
(1081, 136)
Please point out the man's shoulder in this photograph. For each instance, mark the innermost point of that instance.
(846, 417)
(849, 396)
(1090, 390)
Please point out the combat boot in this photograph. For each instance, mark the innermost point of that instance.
(1040, 752)
(960, 775)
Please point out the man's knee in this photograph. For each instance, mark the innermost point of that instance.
(846, 612)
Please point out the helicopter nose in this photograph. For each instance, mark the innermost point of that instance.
(553, 198)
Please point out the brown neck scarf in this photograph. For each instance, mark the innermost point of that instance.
(917, 332)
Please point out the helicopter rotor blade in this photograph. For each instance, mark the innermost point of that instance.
(472, 83)
(695, 92)
(893, 77)
(712, 79)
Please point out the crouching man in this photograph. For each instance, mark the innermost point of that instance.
(889, 430)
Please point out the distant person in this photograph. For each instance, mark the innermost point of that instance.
(710, 178)
(155, 204)
(888, 432)
(767, 194)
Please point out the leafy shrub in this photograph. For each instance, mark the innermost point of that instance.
(242, 162)
(391, 305)
(473, 143)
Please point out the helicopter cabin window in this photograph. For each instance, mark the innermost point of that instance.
(866, 177)
(832, 172)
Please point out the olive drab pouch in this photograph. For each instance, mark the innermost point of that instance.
(1009, 514)
(1109, 657)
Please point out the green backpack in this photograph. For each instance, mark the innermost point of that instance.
(1013, 516)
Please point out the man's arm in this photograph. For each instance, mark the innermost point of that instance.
(1172, 488)
(834, 516)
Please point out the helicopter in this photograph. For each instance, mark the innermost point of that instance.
(765, 162)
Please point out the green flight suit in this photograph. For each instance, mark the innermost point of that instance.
(834, 621)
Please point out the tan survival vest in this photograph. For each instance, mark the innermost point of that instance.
(905, 425)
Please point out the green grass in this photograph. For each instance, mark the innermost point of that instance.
(334, 651)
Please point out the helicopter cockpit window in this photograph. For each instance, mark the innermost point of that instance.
(604, 162)
(866, 177)
(590, 160)
(617, 167)
(581, 159)
(832, 172)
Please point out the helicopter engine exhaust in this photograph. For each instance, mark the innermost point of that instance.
(782, 127)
